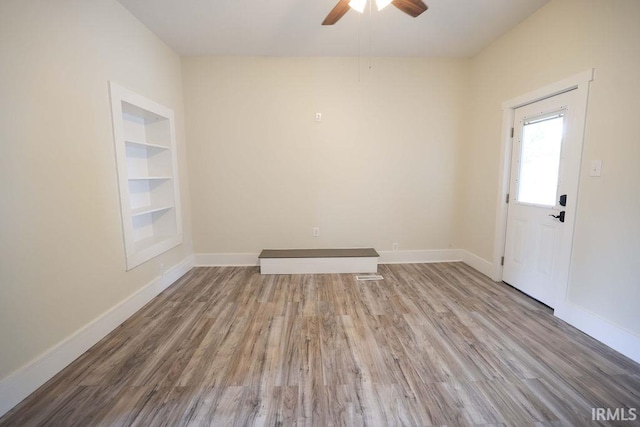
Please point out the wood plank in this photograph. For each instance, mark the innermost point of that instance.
(431, 344)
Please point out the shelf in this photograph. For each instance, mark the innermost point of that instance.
(150, 242)
(131, 111)
(147, 144)
(144, 139)
(149, 210)
(148, 178)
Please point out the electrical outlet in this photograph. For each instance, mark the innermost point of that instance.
(316, 231)
(318, 117)
(394, 246)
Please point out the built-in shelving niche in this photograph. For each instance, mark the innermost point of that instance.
(145, 145)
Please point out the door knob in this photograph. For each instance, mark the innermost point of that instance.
(560, 216)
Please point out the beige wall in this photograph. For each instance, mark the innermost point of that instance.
(407, 152)
(380, 168)
(62, 260)
(563, 38)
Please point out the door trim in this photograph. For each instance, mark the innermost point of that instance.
(580, 83)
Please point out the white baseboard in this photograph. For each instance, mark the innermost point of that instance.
(419, 256)
(26, 380)
(223, 260)
(474, 261)
(386, 257)
(612, 335)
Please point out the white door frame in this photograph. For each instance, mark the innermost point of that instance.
(579, 82)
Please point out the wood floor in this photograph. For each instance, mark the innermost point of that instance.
(431, 344)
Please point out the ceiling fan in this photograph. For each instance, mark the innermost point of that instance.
(410, 7)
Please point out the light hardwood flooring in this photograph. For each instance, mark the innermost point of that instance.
(431, 344)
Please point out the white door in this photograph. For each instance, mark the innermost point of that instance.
(545, 164)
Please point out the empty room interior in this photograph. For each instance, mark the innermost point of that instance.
(323, 212)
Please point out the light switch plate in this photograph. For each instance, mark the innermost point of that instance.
(596, 168)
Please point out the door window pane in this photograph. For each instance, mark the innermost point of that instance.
(540, 160)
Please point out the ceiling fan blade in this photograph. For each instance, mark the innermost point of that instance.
(410, 7)
(337, 12)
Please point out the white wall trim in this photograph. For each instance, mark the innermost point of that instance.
(474, 261)
(500, 235)
(21, 383)
(386, 257)
(419, 256)
(248, 259)
(564, 85)
(612, 335)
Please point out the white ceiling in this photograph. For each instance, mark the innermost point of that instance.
(292, 27)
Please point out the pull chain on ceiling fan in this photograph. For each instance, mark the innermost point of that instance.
(410, 7)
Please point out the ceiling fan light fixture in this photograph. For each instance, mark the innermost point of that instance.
(358, 5)
(411, 7)
(382, 3)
